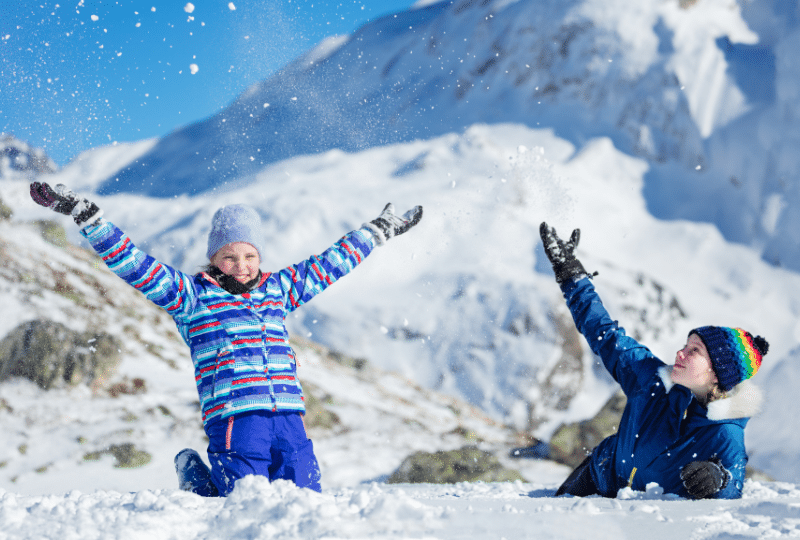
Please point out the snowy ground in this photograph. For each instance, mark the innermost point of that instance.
(259, 510)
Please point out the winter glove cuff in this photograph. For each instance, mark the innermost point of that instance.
(86, 213)
(377, 232)
(562, 254)
(704, 479)
(388, 225)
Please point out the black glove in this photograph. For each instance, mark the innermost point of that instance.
(561, 254)
(704, 479)
(388, 225)
(64, 201)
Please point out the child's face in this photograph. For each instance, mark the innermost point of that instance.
(239, 260)
(693, 367)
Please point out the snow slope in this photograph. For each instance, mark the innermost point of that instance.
(705, 93)
(259, 510)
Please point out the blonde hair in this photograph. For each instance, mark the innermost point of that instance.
(713, 394)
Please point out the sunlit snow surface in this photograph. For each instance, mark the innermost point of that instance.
(259, 510)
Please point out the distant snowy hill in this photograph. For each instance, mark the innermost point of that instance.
(705, 92)
(19, 158)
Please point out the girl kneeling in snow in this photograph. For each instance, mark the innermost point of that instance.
(683, 425)
(232, 317)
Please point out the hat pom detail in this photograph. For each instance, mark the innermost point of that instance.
(761, 344)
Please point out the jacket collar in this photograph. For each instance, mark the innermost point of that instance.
(743, 401)
(213, 276)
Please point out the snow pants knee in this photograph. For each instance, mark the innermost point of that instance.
(579, 483)
(264, 443)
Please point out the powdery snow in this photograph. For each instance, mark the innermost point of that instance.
(259, 510)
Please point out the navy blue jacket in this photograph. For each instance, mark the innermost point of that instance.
(663, 426)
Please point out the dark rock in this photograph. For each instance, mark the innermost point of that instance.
(468, 464)
(571, 443)
(538, 450)
(317, 416)
(128, 387)
(6, 212)
(126, 454)
(53, 232)
(53, 356)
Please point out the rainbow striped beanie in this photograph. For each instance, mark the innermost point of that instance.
(735, 354)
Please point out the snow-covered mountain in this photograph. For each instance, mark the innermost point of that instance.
(465, 304)
(19, 158)
(705, 92)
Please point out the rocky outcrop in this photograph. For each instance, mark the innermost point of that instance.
(126, 454)
(317, 416)
(53, 356)
(571, 443)
(467, 464)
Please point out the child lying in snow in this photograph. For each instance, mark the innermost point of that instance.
(683, 426)
(232, 317)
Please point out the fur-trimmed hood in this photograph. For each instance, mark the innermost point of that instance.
(743, 401)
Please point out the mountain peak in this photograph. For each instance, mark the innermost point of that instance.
(19, 158)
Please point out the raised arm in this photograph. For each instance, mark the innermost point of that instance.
(302, 281)
(630, 363)
(164, 286)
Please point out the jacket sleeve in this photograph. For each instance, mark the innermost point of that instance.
(167, 288)
(301, 282)
(729, 448)
(631, 364)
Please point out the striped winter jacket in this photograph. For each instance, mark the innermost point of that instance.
(239, 344)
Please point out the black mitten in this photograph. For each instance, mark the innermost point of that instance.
(388, 225)
(64, 201)
(561, 254)
(704, 479)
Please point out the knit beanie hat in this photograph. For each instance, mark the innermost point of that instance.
(735, 354)
(235, 223)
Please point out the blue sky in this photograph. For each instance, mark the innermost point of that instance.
(76, 74)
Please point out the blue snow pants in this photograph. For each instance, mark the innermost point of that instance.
(264, 443)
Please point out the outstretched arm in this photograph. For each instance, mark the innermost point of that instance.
(621, 354)
(302, 281)
(164, 286)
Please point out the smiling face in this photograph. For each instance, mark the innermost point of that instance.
(693, 367)
(239, 260)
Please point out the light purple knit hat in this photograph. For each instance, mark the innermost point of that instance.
(235, 223)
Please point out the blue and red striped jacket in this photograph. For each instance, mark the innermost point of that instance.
(239, 344)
